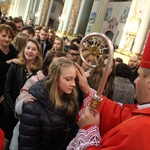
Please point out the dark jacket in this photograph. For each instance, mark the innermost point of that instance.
(4, 66)
(43, 127)
(134, 75)
(47, 48)
(15, 79)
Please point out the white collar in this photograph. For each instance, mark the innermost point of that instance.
(143, 106)
(44, 42)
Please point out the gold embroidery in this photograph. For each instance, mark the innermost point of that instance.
(131, 118)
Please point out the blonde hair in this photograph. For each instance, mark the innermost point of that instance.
(68, 101)
(37, 65)
(54, 34)
(61, 42)
(19, 41)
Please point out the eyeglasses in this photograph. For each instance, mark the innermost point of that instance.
(73, 54)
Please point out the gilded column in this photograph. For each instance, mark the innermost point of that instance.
(38, 14)
(30, 10)
(13, 8)
(49, 12)
(63, 15)
(73, 17)
(83, 17)
(79, 17)
(66, 15)
(45, 12)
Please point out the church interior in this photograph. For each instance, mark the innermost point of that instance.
(125, 22)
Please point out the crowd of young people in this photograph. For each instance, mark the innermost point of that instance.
(47, 99)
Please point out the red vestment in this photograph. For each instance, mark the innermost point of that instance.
(1, 139)
(121, 128)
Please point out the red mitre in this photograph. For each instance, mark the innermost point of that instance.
(145, 60)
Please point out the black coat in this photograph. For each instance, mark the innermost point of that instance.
(3, 71)
(47, 48)
(134, 76)
(42, 127)
(4, 66)
(15, 79)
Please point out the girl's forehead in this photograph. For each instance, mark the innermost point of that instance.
(58, 41)
(30, 42)
(69, 72)
(68, 68)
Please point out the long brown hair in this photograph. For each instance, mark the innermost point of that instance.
(61, 42)
(95, 77)
(48, 60)
(37, 65)
(68, 101)
(54, 35)
(19, 41)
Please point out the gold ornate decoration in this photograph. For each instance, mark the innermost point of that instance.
(133, 26)
(74, 15)
(44, 12)
(30, 11)
(5, 6)
(5, 2)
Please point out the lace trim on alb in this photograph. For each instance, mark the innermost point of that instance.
(85, 138)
